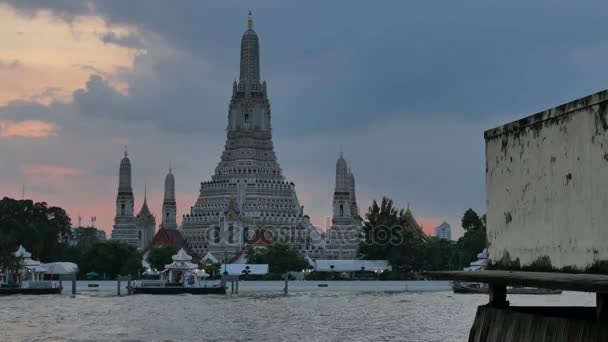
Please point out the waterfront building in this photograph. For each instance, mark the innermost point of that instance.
(248, 191)
(342, 239)
(137, 230)
(444, 231)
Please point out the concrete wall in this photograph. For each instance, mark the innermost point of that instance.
(547, 189)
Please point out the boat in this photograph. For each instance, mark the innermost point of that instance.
(477, 288)
(480, 288)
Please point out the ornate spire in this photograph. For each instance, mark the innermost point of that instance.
(250, 57)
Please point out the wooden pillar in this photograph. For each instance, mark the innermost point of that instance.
(498, 296)
(601, 305)
(74, 283)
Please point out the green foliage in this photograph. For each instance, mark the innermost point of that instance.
(471, 221)
(112, 258)
(387, 236)
(281, 258)
(41, 229)
(474, 239)
(160, 255)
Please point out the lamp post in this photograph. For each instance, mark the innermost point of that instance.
(332, 271)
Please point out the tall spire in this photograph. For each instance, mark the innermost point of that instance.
(124, 198)
(169, 210)
(250, 57)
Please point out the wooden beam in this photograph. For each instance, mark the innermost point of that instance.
(581, 282)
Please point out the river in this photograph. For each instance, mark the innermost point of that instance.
(417, 311)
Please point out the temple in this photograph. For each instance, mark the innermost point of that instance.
(136, 230)
(342, 239)
(248, 191)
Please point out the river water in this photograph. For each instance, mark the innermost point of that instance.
(417, 311)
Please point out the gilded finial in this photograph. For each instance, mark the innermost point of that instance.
(250, 21)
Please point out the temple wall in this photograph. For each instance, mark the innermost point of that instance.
(547, 189)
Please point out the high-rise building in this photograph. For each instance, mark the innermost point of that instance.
(444, 231)
(248, 194)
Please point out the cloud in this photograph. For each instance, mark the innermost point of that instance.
(27, 129)
(51, 171)
(10, 64)
(130, 40)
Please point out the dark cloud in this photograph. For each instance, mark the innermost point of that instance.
(342, 65)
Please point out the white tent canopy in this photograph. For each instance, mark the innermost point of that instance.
(351, 265)
(237, 269)
(61, 267)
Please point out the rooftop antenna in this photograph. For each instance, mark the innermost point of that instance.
(79, 221)
(125, 151)
(23, 191)
(93, 219)
(341, 153)
(250, 21)
(170, 169)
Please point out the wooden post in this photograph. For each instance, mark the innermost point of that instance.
(601, 305)
(74, 283)
(118, 286)
(498, 296)
(129, 286)
(285, 290)
(232, 287)
(237, 286)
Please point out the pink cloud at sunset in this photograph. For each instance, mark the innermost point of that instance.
(27, 129)
(51, 171)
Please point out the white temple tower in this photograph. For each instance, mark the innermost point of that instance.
(169, 206)
(124, 222)
(248, 191)
(342, 239)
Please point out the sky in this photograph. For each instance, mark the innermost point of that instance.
(404, 88)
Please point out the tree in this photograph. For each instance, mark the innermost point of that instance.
(281, 258)
(113, 258)
(160, 255)
(41, 229)
(474, 239)
(471, 221)
(387, 235)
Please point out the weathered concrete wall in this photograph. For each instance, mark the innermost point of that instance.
(547, 189)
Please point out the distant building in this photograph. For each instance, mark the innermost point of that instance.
(86, 236)
(444, 231)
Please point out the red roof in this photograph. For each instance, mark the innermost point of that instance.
(171, 237)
